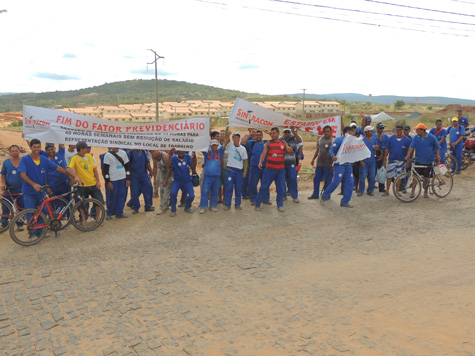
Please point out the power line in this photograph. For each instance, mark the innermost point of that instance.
(419, 8)
(371, 12)
(465, 2)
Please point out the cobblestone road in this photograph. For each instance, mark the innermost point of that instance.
(383, 278)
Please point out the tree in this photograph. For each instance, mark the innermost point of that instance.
(399, 104)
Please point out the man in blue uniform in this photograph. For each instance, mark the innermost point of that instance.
(368, 165)
(342, 173)
(456, 134)
(255, 149)
(293, 140)
(180, 164)
(463, 121)
(381, 141)
(58, 182)
(395, 152)
(441, 134)
(213, 164)
(140, 183)
(427, 148)
(10, 177)
(249, 138)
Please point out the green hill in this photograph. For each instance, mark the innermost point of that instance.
(127, 92)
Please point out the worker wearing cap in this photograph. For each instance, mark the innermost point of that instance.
(456, 134)
(441, 134)
(236, 170)
(58, 182)
(342, 173)
(407, 131)
(213, 164)
(368, 165)
(381, 141)
(140, 183)
(83, 166)
(293, 140)
(463, 121)
(426, 148)
(395, 153)
(366, 121)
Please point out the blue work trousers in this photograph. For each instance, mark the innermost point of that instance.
(255, 175)
(187, 191)
(291, 178)
(341, 174)
(321, 173)
(209, 192)
(245, 186)
(233, 180)
(368, 171)
(141, 186)
(457, 153)
(117, 198)
(272, 175)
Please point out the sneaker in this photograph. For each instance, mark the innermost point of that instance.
(359, 194)
(239, 207)
(267, 203)
(213, 209)
(458, 172)
(246, 197)
(160, 212)
(226, 208)
(257, 208)
(322, 202)
(150, 209)
(346, 205)
(202, 211)
(108, 217)
(189, 211)
(21, 228)
(135, 212)
(281, 210)
(122, 216)
(173, 213)
(296, 200)
(253, 204)
(341, 193)
(371, 194)
(181, 205)
(312, 197)
(285, 197)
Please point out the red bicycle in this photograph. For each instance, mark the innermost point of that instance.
(85, 214)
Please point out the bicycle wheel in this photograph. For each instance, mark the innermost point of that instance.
(34, 229)
(88, 214)
(407, 187)
(451, 163)
(466, 158)
(57, 205)
(7, 215)
(442, 185)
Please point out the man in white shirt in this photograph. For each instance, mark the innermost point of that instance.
(117, 177)
(236, 170)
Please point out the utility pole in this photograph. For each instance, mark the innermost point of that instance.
(303, 103)
(157, 57)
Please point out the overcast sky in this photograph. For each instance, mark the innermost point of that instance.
(264, 46)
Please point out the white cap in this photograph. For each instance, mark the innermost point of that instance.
(213, 142)
(368, 128)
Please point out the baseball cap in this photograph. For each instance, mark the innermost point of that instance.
(407, 127)
(213, 142)
(368, 128)
(236, 134)
(459, 110)
(287, 130)
(368, 118)
(81, 144)
(400, 127)
(380, 125)
(420, 126)
(455, 119)
(49, 144)
(353, 124)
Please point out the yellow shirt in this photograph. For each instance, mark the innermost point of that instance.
(84, 167)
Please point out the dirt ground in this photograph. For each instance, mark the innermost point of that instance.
(384, 278)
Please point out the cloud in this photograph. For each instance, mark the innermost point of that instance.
(89, 44)
(128, 57)
(69, 55)
(248, 66)
(151, 71)
(54, 76)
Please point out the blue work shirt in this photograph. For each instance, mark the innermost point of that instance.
(335, 147)
(12, 175)
(426, 148)
(181, 168)
(440, 134)
(37, 173)
(255, 152)
(398, 148)
(463, 121)
(383, 143)
(138, 161)
(55, 177)
(212, 162)
(456, 133)
(370, 145)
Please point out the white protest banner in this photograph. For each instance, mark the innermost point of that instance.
(352, 149)
(57, 126)
(247, 114)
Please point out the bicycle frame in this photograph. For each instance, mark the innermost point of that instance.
(13, 200)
